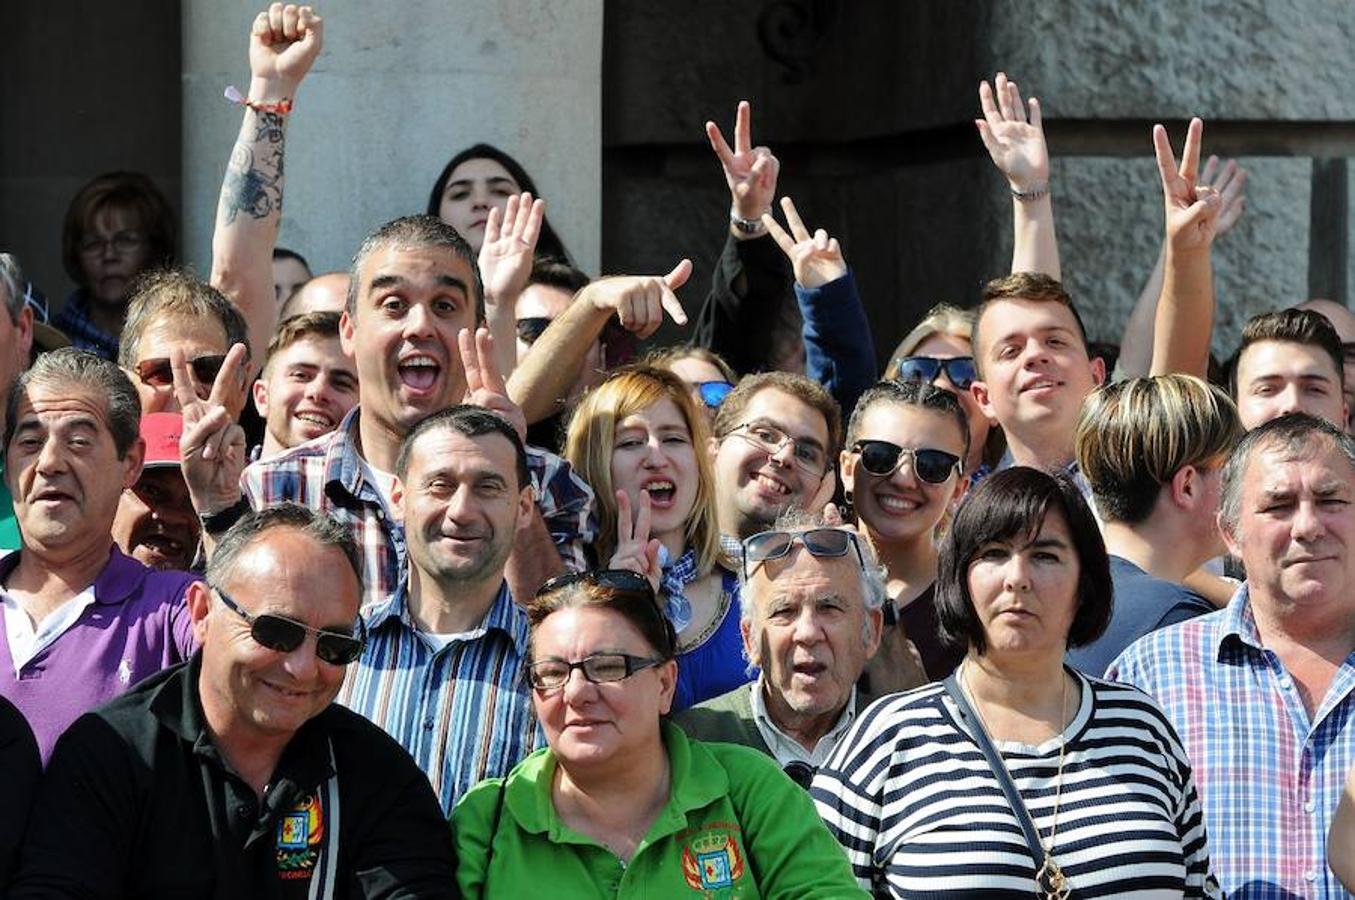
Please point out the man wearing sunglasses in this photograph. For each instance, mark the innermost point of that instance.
(812, 598)
(235, 775)
(172, 310)
(82, 622)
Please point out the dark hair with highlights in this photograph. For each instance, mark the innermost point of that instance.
(1013, 504)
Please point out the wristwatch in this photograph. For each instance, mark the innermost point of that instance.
(750, 227)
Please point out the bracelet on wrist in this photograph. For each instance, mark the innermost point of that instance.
(750, 227)
(218, 522)
(1035, 192)
(282, 107)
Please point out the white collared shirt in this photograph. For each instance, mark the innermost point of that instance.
(788, 750)
(25, 641)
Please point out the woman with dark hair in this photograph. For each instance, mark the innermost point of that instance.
(1018, 775)
(477, 180)
(622, 804)
(118, 226)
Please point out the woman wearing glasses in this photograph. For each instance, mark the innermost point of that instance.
(938, 352)
(621, 804)
(1017, 775)
(901, 472)
(118, 226)
(640, 436)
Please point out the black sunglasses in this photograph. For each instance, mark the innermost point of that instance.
(158, 372)
(530, 328)
(883, 459)
(828, 542)
(285, 635)
(713, 393)
(959, 369)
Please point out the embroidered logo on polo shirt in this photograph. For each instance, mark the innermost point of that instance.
(711, 860)
(300, 831)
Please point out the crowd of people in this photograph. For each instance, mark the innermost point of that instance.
(428, 579)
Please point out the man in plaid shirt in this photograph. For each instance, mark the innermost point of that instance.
(1263, 691)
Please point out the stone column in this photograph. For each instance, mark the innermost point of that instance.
(397, 90)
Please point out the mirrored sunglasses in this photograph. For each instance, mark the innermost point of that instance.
(959, 370)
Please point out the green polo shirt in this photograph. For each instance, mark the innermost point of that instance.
(734, 827)
(9, 526)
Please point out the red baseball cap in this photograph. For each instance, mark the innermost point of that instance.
(161, 432)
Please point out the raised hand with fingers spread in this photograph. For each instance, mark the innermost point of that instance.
(505, 265)
(485, 385)
(212, 445)
(817, 258)
(1192, 206)
(1013, 137)
(635, 549)
(749, 171)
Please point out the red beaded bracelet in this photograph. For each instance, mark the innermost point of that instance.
(282, 107)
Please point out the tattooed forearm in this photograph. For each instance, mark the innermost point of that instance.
(253, 182)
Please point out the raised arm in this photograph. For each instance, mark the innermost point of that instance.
(639, 302)
(505, 265)
(750, 280)
(283, 43)
(839, 350)
(1185, 314)
(1136, 347)
(1013, 134)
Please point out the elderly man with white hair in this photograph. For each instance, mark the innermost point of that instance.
(812, 596)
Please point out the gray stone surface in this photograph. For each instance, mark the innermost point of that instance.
(397, 91)
(1252, 59)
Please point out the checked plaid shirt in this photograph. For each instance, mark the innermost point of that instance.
(1269, 774)
(327, 474)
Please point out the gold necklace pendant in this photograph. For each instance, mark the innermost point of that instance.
(1050, 874)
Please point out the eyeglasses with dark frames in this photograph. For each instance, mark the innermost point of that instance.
(601, 668)
(883, 458)
(821, 542)
(283, 635)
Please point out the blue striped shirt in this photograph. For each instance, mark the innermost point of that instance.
(1269, 774)
(463, 711)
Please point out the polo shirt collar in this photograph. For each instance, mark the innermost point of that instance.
(177, 706)
(504, 615)
(697, 780)
(120, 577)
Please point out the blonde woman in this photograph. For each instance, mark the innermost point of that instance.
(640, 441)
(938, 351)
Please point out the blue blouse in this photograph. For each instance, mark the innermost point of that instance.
(713, 663)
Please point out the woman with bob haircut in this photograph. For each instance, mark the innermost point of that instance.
(478, 179)
(938, 351)
(117, 227)
(1018, 775)
(621, 803)
(640, 441)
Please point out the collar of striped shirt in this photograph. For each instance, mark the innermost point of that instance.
(504, 615)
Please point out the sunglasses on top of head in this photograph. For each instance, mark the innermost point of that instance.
(881, 458)
(959, 370)
(821, 542)
(283, 635)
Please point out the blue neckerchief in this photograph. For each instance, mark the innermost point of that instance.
(676, 576)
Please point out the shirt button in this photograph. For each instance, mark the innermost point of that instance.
(1286, 682)
(1310, 875)
(241, 811)
(428, 723)
(1310, 806)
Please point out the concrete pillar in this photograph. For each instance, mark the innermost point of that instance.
(397, 90)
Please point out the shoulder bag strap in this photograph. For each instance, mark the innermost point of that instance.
(1004, 778)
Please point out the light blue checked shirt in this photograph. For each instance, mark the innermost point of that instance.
(463, 711)
(1270, 777)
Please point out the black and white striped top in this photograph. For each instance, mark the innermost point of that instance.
(911, 798)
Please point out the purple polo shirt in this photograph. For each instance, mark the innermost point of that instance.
(137, 625)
